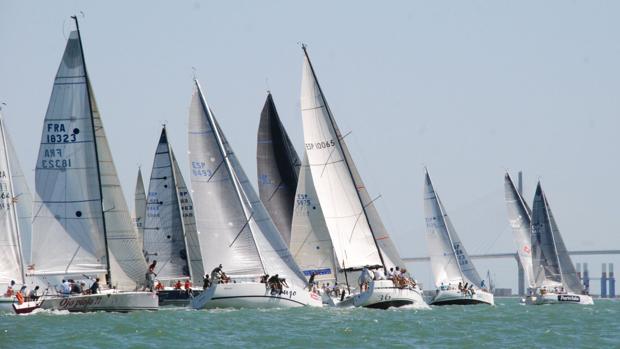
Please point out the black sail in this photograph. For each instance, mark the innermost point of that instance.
(278, 169)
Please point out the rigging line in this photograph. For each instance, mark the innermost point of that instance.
(242, 228)
(218, 166)
(359, 215)
(72, 258)
(275, 190)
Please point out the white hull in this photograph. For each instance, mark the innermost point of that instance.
(6, 304)
(382, 294)
(555, 298)
(112, 301)
(446, 297)
(254, 295)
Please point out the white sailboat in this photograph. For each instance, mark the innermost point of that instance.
(15, 219)
(234, 227)
(170, 235)
(456, 278)
(555, 277)
(357, 234)
(81, 226)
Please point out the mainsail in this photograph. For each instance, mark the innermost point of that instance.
(164, 237)
(519, 215)
(15, 213)
(449, 259)
(551, 262)
(234, 226)
(311, 245)
(139, 208)
(357, 232)
(81, 222)
(277, 167)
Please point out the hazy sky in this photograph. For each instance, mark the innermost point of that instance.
(467, 88)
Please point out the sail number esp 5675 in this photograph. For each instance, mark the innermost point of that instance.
(321, 145)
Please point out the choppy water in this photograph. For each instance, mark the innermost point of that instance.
(508, 324)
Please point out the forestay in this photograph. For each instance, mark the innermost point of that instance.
(234, 226)
(519, 216)
(345, 215)
(449, 259)
(15, 213)
(311, 244)
(552, 263)
(277, 168)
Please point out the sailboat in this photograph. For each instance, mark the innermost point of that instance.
(234, 227)
(15, 219)
(555, 277)
(277, 167)
(170, 235)
(456, 278)
(358, 236)
(81, 228)
(139, 208)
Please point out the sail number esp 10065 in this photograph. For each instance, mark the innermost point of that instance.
(321, 145)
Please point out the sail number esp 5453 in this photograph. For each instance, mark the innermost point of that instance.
(321, 145)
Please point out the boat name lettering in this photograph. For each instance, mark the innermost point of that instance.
(568, 298)
(321, 145)
(80, 302)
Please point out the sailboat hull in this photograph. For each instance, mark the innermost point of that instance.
(254, 295)
(555, 298)
(382, 294)
(447, 297)
(112, 301)
(176, 298)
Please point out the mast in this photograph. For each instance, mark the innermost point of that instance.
(229, 168)
(176, 194)
(92, 122)
(346, 161)
(13, 208)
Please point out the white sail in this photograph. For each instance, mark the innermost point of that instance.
(311, 244)
(123, 242)
(69, 232)
(192, 243)
(345, 215)
(519, 215)
(139, 209)
(552, 263)
(15, 213)
(164, 238)
(234, 226)
(449, 259)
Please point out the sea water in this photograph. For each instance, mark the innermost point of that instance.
(508, 324)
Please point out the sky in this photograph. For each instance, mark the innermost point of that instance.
(468, 89)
